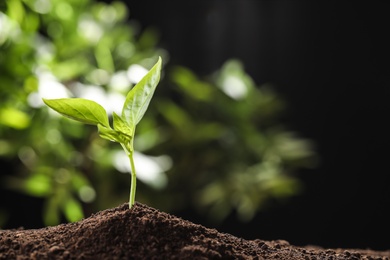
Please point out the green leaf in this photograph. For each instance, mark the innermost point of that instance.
(113, 135)
(138, 99)
(108, 133)
(79, 109)
(121, 126)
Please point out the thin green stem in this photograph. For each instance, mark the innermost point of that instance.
(128, 147)
(133, 184)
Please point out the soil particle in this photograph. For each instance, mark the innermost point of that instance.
(146, 233)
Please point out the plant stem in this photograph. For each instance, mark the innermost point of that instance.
(133, 183)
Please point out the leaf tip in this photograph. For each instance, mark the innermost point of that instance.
(46, 101)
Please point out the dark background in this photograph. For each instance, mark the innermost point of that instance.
(329, 61)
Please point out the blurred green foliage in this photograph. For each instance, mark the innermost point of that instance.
(232, 146)
(214, 142)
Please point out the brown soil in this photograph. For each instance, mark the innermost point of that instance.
(146, 233)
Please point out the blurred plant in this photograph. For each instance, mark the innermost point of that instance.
(225, 136)
(222, 132)
(57, 49)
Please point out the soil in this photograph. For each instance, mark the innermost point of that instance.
(146, 233)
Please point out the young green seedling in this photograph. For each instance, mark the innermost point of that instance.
(134, 108)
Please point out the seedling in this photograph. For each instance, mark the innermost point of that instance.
(123, 130)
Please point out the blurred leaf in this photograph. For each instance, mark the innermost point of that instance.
(175, 115)
(31, 22)
(191, 85)
(38, 185)
(148, 38)
(120, 10)
(73, 210)
(51, 214)
(70, 68)
(14, 118)
(31, 84)
(233, 80)
(104, 57)
(15, 10)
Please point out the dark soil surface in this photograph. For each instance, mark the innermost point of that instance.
(146, 233)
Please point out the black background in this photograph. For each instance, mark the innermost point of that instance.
(329, 61)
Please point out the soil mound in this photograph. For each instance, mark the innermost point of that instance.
(146, 233)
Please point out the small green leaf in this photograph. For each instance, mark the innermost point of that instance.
(79, 109)
(113, 135)
(121, 126)
(108, 133)
(138, 99)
